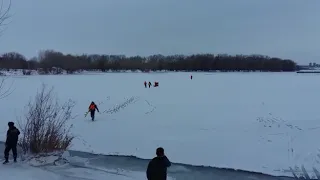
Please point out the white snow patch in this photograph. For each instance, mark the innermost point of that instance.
(25, 172)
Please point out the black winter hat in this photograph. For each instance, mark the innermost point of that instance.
(160, 151)
(10, 123)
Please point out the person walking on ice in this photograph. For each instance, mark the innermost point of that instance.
(11, 142)
(92, 108)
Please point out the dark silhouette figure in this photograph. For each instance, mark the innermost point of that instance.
(92, 108)
(149, 84)
(11, 142)
(157, 167)
(145, 84)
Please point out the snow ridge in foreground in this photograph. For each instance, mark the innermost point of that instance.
(80, 165)
(56, 167)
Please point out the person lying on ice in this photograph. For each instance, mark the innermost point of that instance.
(92, 108)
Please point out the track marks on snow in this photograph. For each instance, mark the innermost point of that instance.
(116, 108)
(85, 144)
(127, 101)
(103, 101)
(273, 125)
(152, 107)
(271, 122)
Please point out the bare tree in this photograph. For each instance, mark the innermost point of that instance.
(44, 127)
(4, 14)
(302, 173)
(5, 91)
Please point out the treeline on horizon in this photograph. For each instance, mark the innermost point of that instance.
(48, 59)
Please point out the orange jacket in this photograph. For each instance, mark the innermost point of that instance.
(93, 107)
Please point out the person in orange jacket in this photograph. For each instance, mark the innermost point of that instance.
(92, 108)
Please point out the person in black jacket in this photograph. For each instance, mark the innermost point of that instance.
(11, 142)
(92, 108)
(157, 167)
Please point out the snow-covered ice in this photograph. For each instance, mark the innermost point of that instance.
(263, 122)
(24, 171)
(81, 165)
(65, 167)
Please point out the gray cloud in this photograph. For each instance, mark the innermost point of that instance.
(283, 28)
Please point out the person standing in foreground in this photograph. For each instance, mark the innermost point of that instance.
(11, 142)
(92, 108)
(157, 167)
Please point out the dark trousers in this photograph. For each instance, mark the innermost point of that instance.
(7, 150)
(92, 115)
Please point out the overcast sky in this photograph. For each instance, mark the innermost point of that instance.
(282, 28)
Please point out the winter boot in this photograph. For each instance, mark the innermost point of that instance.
(15, 159)
(6, 161)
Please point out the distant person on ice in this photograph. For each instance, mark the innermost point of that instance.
(11, 142)
(157, 167)
(145, 84)
(149, 84)
(156, 84)
(92, 108)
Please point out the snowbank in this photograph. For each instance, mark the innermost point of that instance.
(23, 171)
(49, 168)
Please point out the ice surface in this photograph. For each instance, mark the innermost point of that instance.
(65, 167)
(17, 172)
(71, 162)
(26, 172)
(263, 122)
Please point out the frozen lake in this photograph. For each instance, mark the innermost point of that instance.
(263, 122)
